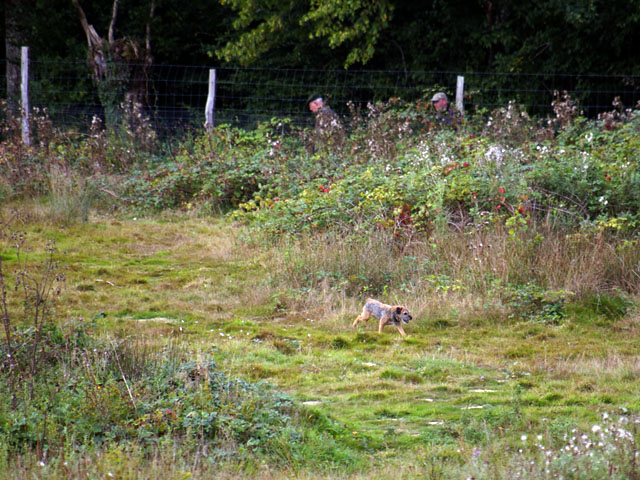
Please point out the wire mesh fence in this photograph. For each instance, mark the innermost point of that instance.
(174, 96)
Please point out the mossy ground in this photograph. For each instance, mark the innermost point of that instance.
(453, 385)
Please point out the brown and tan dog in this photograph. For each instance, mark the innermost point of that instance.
(387, 314)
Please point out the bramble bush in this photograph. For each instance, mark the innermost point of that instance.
(552, 208)
(586, 175)
(395, 164)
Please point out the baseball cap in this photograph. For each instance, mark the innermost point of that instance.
(439, 96)
(313, 98)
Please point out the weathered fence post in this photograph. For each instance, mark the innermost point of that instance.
(209, 109)
(24, 87)
(460, 94)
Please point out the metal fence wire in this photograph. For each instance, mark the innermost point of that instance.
(175, 95)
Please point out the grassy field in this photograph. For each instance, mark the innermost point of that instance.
(467, 394)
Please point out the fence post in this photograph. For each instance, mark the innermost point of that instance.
(24, 88)
(460, 94)
(209, 109)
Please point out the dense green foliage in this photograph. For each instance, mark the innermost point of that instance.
(461, 35)
(530, 48)
(528, 36)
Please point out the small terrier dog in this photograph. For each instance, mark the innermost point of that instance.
(387, 314)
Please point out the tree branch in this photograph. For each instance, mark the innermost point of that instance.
(85, 24)
(114, 15)
(94, 40)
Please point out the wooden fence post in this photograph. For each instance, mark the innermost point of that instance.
(460, 94)
(24, 87)
(209, 109)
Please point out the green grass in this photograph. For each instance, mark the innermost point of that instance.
(406, 408)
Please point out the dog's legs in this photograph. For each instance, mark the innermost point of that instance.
(364, 316)
(401, 330)
(381, 325)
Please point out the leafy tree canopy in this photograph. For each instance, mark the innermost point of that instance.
(526, 36)
(355, 25)
(572, 36)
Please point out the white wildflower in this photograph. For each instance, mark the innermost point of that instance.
(495, 154)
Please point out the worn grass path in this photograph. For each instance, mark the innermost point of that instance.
(448, 388)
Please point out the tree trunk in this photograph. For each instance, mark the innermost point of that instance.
(15, 37)
(120, 66)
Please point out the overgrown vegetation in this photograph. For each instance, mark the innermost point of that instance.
(151, 325)
(65, 389)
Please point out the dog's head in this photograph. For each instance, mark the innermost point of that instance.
(400, 313)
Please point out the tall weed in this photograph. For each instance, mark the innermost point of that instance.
(531, 273)
(71, 196)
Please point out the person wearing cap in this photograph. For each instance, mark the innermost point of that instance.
(315, 102)
(444, 113)
(327, 121)
(440, 101)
